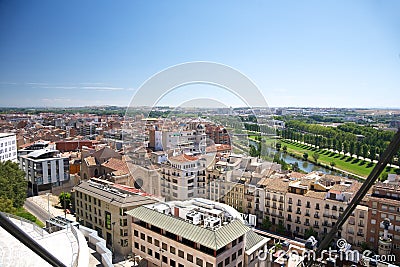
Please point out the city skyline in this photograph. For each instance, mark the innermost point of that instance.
(331, 54)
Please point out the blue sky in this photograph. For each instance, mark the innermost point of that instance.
(299, 53)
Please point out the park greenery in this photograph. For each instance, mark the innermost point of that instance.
(13, 188)
(348, 138)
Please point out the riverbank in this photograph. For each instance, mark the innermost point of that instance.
(351, 166)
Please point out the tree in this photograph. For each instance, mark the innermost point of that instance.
(280, 228)
(284, 148)
(372, 153)
(333, 164)
(352, 147)
(295, 166)
(266, 223)
(278, 146)
(13, 185)
(315, 156)
(365, 151)
(383, 176)
(346, 147)
(358, 149)
(253, 151)
(64, 199)
(310, 232)
(6, 205)
(305, 156)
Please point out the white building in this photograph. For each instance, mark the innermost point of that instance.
(8, 147)
(44, 168)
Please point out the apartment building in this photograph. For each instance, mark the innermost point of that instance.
(317, 202)
(183, 177)
(384, 203)
(275, 189)
(8, 147)
(44, 169)
(198, 232)
(102, 206)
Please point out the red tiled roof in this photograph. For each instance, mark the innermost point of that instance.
(183, 158)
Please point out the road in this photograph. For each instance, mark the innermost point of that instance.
(36, 210)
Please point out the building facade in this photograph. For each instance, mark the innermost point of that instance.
(8, 147)
(194, 233)
(101, 206)
(44, 169)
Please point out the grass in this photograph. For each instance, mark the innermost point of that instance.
(21, 212)
(342, 162)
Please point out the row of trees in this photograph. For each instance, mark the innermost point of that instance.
(342, 139)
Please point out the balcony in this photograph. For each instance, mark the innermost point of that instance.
(326, 224)
(308, 206)
(289, 219)
(326, 215)
(298, 212)
(360, 224)
(307, 224)
(316, 226)
(316, 207)
(334, 208)
(290, 202)
(360, 234)
(316, 216)
(341, 209)
(298, 221)
(298, 204)
(281, 200)
(289, 210)
(327, 207)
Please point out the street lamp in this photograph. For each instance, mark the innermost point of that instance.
(48, 203)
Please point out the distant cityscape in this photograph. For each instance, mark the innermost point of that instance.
(207, 187)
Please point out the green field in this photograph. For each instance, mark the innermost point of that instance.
(349, 164)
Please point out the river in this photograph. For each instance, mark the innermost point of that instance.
(305, 166)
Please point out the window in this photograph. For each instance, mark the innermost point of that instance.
(149, 239)
(150, 252)
(240, 239)
(227, 260)
(108, 220)
(164, 259)
(156, 243)
(240, 252)
(181, 254)
(164, 246)
(233, 256)
(172, 250)
(142, 236)
(180, 265)
(136, 245)
(373, 221)
(209, 264)
(157, 255)
(221, 264)
(199, 262)
(143, 248)
(189, 257)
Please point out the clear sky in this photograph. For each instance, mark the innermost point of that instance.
(299, 53)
